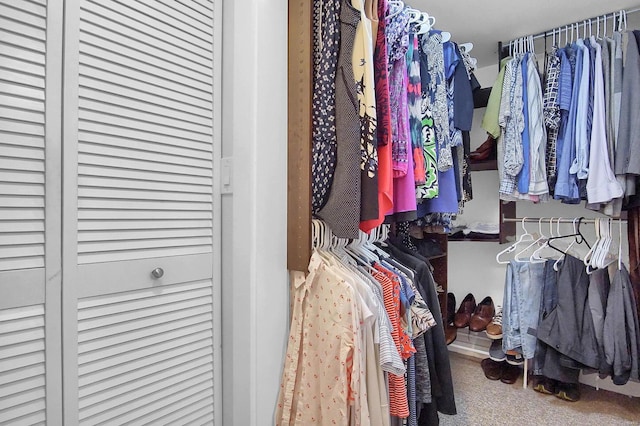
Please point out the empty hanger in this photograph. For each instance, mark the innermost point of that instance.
(524, 237)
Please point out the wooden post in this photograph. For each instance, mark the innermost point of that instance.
(299, 136)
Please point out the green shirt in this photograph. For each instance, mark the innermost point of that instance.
(490, 119)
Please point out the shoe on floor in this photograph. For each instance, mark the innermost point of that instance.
(568, 391)
(492, 369)
(543, 384)
(495, 351)
(482, 315)
(450, 334)
(465, 311)
(515, 358)
(510, 374)
(494, 329)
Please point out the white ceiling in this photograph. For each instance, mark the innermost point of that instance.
(486, 22)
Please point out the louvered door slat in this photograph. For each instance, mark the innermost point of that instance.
(124, 184)
(200, 412)
(163, 21)
(104, 149)
(169, 395)
(19, 64)
(22, 373)
(19, 53)
(130, 367)
(147, 30)
(179, 16)
(168, 110)
(22, 92)
(120, 60)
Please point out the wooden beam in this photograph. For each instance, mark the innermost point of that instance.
(299, 136)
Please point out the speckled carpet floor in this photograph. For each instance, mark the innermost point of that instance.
(492, 403)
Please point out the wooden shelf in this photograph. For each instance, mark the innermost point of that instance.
(495, 239)
(483, 165)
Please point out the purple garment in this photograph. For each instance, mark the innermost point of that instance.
(404, 190)
(397, 46)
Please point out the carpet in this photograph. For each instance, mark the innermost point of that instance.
(492, 403)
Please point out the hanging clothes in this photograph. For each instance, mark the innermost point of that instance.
(383, 111)
(363, 74)
(326, 40)
(342, 210)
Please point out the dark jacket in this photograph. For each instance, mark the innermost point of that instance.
(621, 330)
(437, 352)
(569, 327)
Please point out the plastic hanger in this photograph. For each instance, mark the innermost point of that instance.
(556, 264)
(537, 241)
(427, 24)
(399, 5)
(466, 47)
(524, 237)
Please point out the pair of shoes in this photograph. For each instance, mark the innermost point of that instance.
(568, 391)
(450, 334)
(451, 308)
(494, 329)
(543, 384)
(500, 370)
(477, 317)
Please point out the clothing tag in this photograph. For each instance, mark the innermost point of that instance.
(532, 331)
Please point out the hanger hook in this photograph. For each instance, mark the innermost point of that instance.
(522, 224)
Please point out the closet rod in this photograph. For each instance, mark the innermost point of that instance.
(579, 23)
(556, 219)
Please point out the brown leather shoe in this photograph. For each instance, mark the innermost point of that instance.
(465, 311)
(510, 373)
(486, 145)
(482, 315)
(450, 334)
(492, 369)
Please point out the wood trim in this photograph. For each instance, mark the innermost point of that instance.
(299, 136)
(52, 279)
(70, 85)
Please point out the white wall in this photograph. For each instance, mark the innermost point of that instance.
(255, 283)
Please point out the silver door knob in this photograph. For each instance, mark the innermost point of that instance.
(157, 273)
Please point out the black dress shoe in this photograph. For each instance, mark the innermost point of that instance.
(492, 369)
(568, 391)
(510, 373)
(543, 384)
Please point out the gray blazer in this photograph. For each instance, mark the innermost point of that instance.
(621, 330)
(628, 148)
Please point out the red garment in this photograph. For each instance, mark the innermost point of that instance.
(398, 401)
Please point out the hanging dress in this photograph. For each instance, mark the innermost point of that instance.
(325, 60)
(342, 210)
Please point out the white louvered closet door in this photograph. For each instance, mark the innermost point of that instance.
(30, 99)
(144, 212)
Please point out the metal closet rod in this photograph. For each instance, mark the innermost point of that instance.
(556, 219)
(579, 23)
